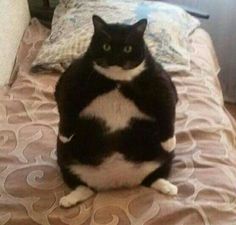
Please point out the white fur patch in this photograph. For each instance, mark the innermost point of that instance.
(114, 172)
(65, 139)
(165, 187)
(114, 109)
(80, 194)
(169, 145)
(118, 73)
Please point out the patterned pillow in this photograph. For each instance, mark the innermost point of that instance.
(167, 33)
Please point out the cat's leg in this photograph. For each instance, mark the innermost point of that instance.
(157, 179)
(79, 194)
(166, 124)
(68, 113)
(66, 127)
(166, 127)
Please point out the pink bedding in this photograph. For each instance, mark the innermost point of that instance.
(204, 167)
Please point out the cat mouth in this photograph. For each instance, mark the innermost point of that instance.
(118, 73)
(130, 65)
(126, 66)
(101, 63)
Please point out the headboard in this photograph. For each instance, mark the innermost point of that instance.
(43, 10)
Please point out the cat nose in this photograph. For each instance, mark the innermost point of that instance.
(113, 62)
(117, 61)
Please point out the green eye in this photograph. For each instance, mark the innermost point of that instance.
(106, 47)
(128, 49)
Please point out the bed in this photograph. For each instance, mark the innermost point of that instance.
(204, 166)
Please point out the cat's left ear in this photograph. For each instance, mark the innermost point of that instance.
(140, 26)
(98, 23)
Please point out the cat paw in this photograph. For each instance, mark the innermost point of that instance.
(65, 139)
(169, 145)
(80, 194)
(165, 187)
(67, 201)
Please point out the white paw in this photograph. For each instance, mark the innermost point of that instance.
(80, 194)
(165, 187)
(67, 201)
(169, 145)
(64, 139)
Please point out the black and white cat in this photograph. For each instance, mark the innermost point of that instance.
(117, 114)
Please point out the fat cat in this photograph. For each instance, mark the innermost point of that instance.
(117, 112)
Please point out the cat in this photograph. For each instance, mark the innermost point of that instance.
(117, 114)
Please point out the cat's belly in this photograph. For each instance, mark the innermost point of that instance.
(114, 109)
(114, 172)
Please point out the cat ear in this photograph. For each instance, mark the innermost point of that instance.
(140, 26)
(98, 23)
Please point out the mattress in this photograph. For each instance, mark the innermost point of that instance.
(204, 168)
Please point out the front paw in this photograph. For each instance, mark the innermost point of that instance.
(65, 139)
(169, 145)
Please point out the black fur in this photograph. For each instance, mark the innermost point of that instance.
(152, 92)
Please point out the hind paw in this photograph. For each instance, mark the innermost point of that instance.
(165, 187)
(80, 194)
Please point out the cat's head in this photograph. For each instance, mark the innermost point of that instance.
(118, 49)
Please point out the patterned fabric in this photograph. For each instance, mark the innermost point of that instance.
(204, 167)
(166, 36)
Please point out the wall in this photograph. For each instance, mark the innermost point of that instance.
(14, 18)
(222, 28)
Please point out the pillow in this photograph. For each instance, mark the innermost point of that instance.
(167, 33)
(14, 18)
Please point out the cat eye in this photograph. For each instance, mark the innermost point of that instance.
(106, 47)
(128, 49)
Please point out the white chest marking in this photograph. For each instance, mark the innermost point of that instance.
(118, 73)
(114, 109)
(114, 172)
